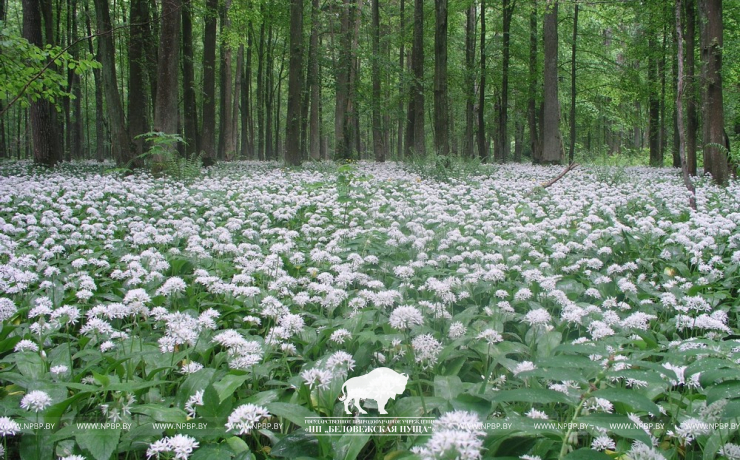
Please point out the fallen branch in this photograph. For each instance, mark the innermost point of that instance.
(560, 176)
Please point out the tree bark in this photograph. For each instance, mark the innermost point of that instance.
(401, 56)
(295, 77)
(482, 142)
(165, 108)
(314, 136)
(715, 159)
(656, 158)
(226, 145)
(504, 145)
(692, 119)
(47, 150)
(679, 108)
(121, 146)
(469, 141)
(415, 135)
(208, 136)
(552, 142)
(138, 120)
(572, 149)
(378, 135)
(192, 136)
(532, 112)
(441, 111)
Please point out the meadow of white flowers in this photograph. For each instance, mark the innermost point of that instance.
(150, 318)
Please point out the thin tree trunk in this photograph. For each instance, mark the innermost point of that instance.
(98, 81)
(552, 142)
(401, 71)
(137, 105)
(692, 119)
(378, 135)
(572, 149)
(247, 120)
(121, 146)
(441, 112)
(208, 136)
(415, 135)
(260, 155)
(192, 136)
(469, 142)
(225, 135)
(314, 136)
(235, 102)
(165, 108)
(653, 103)
(679, 109)
(532, 112)
(482, 144)
(295, 77)
(504, 146)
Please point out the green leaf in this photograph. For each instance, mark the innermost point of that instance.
(629, 397)
(587, 454)
(296, 444)
(160, 413)
(228, 385)
(100, 443)
(237, 444)
(724, 390)
(213, 452)
(291, 412)
(349, 447)
(30, 365)
(531, 395)
(447, 387)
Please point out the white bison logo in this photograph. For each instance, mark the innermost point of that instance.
(380, 384)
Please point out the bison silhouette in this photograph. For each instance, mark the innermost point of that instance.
(380, 384)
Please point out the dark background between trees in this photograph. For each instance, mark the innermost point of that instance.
(503, 80)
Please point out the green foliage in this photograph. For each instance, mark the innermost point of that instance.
(446, 168)
(23, 69)
(162, 157)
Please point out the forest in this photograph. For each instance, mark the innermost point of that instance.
(376, 230)
(537, 81)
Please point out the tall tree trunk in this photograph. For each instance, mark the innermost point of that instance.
(715, 159)
(676, 145)
(441, 112)
(314, 136)
(572, 149)
(121, 146)
(504, 147)
(47, 150)
(235, 102)
(225, 135)
(401, 71)
(662, 74)
(261, 91)
(415, 136)
(378, 135)
(295, 77)
(138, 121)
(208, 137)
(552, 144)
(269, 97)
(679, 108)
(532, 112)
(98, 81)
(247, 119)
(165, 108)
(469, 142)
(482, 143)
(192, 136)
(342, 67)
(692, 119)
(75, 125)
(656, 159)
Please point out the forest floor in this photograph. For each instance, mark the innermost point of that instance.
(214, 317)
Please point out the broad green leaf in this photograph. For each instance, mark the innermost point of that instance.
(160, 413)
(228, 385)
(724, 390)
(631, 398)
(531, 395)
(296, 444)
(587, 454)
(447, 387)
(349, 447)
(291, 412)
(213, 452)
(100, 443)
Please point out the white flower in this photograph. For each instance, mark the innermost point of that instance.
(729, 450)
(60, 369)
(340, 362)
(538, 316)
(172, 286)
(7, 309)
(320, 378)
(641, 451)
(524, 366)
(26, 345)
(8, 427)
(340, 335)
(72, 457)
(181, 445)
(599, 405)
(191, 367)
(457, 330)
(603, 442)
(405, 317)
(245, 417)
(426, 348)
(194, 400)
(491, 336)
(523, 294)
(36, 401)
(536, 414)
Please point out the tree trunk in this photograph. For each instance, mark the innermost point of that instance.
(656, 158)
(138, 122)
(165, 108)
(235, 102)
(415, 135)
(47, 150)
(482, 143)
(715, 158)
(552, 144)
(261, 91)
(192, 137)
(469, 142)
(508, 13)
(314, 136)
(532, 112)
(295, 77)
(572, 149)
(208, 137)
(378, 135)
(247, 119)
(401, 70)
(441, 112)
(679, 108)
(121, 146)
(692, 119)
(225, 133)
